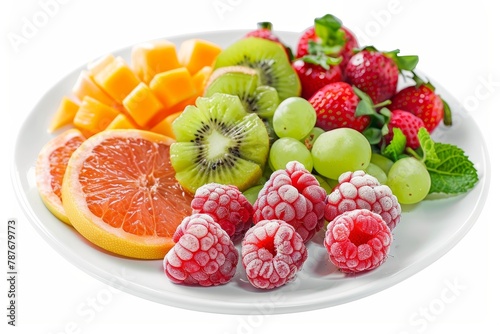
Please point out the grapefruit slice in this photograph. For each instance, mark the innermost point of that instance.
(120, 193)
(50, 167)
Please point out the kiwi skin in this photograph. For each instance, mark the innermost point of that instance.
(268, 58)
(229, 69)
(218, 141)
(244, 82)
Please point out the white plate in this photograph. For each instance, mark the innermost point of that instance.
(426, 231)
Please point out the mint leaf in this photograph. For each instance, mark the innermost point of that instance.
(427, 146)
(454, 173)
(397, 145)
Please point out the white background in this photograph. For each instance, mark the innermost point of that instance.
(457, 46)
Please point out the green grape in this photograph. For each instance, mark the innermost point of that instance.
(312, 136)
(252, 193)
(381, 161)
(376, 172)
(287, 149)
(332, 182)
(340, 150)
(323, 183)
(409, 180)
(294, 117)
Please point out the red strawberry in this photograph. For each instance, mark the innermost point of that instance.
(376, 73)
(313, 77)
(328, 34)
(303, 45)
(408, 123)
(265, 30)
(336, 106)
(423, 102)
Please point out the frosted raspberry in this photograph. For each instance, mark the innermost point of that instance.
(358, 190)
(227, 206)
(272, 253)
(295, 196)
(357, 241)
(203, 253)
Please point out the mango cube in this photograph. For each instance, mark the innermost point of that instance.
(196, 53)
(94, 116)
(151, 58)
(122, 122)
(171, 87)
(142, 104)
(117, 79)
(200, 78)
(85, 86)
(64, 115)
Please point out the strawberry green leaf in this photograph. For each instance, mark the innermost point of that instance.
(454, 173)
(364, 108)
(265, 25)
(322, 60)
(378, 120)
(327, 28)
(406, 63)
(385, 115)
(447, 118)
(373, 135)
(397, 145)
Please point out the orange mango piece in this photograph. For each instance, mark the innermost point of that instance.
(142, 104)
(200, 79)
(164, 127)
(85, 86)
(196, 53)
(64, 114)
(94, 116)
(117, 79)
(151, 58)
(171, 87)
(122, 122)
(99, 64)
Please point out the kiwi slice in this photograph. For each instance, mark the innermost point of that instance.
(268, 58)
(218, 141)
(244, 82)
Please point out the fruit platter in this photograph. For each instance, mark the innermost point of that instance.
(253, 170)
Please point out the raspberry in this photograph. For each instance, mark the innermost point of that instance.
(272, 253)
(357, 241)
(295, 196)
(203, 253)
(227, 206)
(358, 190)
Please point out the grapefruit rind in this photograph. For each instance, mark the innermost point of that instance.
(43, 173)
(92, 227)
